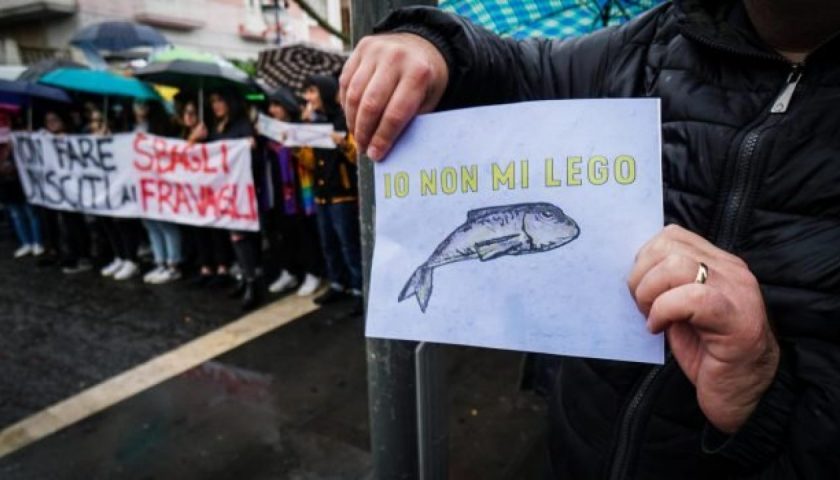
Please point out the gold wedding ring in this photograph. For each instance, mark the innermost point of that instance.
(702, 274)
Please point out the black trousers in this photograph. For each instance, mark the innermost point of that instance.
(50, 230)
(122, 236)
(213, 247)
(75, 237)
(246, 246)
(293, 240)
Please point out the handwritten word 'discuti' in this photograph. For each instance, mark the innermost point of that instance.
(574, 171)
(156, 154)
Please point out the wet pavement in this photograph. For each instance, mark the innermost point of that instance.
(289, 404)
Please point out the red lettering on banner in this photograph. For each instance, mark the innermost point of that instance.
(138, 140)
(145, 193)
(252, 203)
(164, 195)
(207, 201)
(226, 201)
(181, 157)
(181, 198)
(225, 164)
(178, 198)
(159, 146)
(157, 154)
(206, 157)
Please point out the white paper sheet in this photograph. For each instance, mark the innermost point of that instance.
(563, 193)
(316, 135)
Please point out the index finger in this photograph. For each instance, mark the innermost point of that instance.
(347, 74)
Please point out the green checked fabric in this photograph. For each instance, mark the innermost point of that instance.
(547, 18)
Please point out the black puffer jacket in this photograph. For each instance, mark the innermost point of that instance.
(763, 185)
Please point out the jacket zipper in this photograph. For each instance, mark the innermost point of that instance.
(783, 101)
(743, 182)
(630, 422)
(726, 238)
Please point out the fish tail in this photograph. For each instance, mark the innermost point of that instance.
(419, 285)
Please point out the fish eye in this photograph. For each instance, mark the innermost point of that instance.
(547, 214)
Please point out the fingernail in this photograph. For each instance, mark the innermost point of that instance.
(374, 152)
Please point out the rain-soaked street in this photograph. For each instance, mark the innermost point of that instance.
(291, 403)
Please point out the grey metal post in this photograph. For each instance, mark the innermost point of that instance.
(391, 368)
(432, 412)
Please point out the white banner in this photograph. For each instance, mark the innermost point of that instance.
(316, 135)
(140, 175)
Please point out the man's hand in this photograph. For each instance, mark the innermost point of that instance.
(386, 82)
(718, 331)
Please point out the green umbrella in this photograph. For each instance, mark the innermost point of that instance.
(179, 53)
(99, 82)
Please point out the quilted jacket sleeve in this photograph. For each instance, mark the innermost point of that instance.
(485, 69)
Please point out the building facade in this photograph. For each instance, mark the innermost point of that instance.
(31, 30)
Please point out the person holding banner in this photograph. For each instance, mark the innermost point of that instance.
(48, 218)
(211, 246)
(120, 233)
(164, 237)
(291, 225)
(230, 121)
(74, 235)
(26, 224)
(336, 195)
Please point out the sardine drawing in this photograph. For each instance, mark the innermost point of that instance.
(493, 232)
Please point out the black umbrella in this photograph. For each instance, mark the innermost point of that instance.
(194, 71)
(34, 72)
(291, 65)
(19, 92)
(116, 36)
(194, 75)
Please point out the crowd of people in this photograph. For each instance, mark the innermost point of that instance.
(307, 201)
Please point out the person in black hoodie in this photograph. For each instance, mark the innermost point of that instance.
(745, 282)
(290, 220)
(230, 121)
(336, 195)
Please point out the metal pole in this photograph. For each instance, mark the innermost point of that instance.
(391, 369)
(200, 100)
(104, 113)
(432, 412)
(277, 21)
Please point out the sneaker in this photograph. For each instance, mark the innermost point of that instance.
(82, 265)
(23, 251)
(112, 268)
(127, 270)
(309, 286)
(153, 274)
(166, 276)
(332, 295)
(286, 281)
(37, 250)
